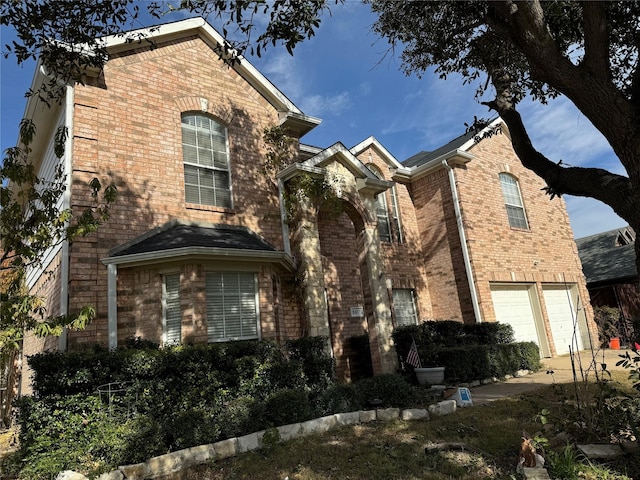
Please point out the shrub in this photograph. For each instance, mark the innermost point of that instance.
(393, 390)
(172, 398)
(287, 406)
(337, 398)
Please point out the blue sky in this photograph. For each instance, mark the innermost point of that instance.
(345, 76)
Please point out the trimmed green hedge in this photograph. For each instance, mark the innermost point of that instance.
(173, 398)
(468, 352)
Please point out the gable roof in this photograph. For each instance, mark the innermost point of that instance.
(177, 239)
(455, 151)
(605, 262)
(291, 117)
(366, 180)
(423, 157)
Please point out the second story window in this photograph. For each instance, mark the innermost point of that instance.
(382, 211)
(206, 161)
(513, 201)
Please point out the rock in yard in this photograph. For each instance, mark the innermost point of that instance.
(603, 451)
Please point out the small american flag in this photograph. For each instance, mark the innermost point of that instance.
(412, 357)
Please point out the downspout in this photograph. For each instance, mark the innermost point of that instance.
(66, 204)
(112, 305)
(463, 241)
(283, 218)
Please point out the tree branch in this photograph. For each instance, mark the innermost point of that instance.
(596, 39)
(609, 188)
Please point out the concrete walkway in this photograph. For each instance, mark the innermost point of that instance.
(562, 373)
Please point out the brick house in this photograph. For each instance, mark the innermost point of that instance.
(198, 247)
(609, 263)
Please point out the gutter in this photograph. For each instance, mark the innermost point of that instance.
(463, 241)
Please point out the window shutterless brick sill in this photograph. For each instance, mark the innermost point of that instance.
(209, 208)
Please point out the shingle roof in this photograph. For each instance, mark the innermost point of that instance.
(424, 157)
(603, 261)
(180, 235)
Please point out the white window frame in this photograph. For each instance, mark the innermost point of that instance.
(170, 334)
(513, 201)
(382, 210)
(206, 168)
(395, 213)
(211, 334)
(399, 304)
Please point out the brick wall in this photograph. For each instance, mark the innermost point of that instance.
(127, 131)
(340, 262)
(444, 265)
(404, 262)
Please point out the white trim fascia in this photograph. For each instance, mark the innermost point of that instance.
(209, 253)
(388, 158)
(340, 153)
(118, 43)
(296, 168)
(299, 123)
(455, 157)
(471, 142)
(309, 149)
(402, 175)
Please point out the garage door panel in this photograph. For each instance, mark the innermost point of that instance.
(562, 318)
(512, 305)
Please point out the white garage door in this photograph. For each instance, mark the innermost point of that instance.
(512, 305)
(562, 313)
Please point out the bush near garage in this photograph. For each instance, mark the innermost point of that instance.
(468, 352)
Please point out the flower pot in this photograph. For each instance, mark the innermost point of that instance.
(430, 375)
(614, 343)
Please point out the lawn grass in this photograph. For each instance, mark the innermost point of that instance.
(396, 450)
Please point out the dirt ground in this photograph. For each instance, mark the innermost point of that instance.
(563, 372)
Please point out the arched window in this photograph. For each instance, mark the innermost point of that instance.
(206, 161)
(382, 211)
(513, 201)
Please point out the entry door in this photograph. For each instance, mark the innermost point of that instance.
(562, 315)
(512, 304)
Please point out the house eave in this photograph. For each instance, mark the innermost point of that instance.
(202, 253)
(298, 124)
(457, 157)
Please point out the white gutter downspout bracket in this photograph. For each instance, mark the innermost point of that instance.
(463, 241)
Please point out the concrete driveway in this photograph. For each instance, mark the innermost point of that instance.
(562, 369)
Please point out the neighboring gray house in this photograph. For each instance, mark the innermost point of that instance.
(609, 264)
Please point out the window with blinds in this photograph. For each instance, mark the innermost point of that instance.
(232, 306)
(404, 306)
(513, 201)
(206, 161)
(171, 311)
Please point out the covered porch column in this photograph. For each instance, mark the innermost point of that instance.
(307, 246)
(383, 351)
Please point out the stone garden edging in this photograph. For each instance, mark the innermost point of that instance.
(176, 461)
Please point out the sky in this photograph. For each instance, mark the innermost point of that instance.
(346, 76)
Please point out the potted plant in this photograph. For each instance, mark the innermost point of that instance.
(430, 374)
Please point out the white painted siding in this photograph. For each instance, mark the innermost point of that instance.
(47, 172)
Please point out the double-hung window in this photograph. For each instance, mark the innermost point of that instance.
(513, 201)
(206, 161)
(382, 211)
(232, 306)
(404, 306)
(171, 310)
(395, 216)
